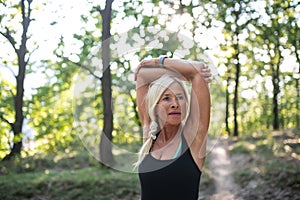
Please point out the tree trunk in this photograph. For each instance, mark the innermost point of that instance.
(275, 81)
(237, 75)
(106, 155)
(18, 98)
(235, 100)
(296, 46)
(227, 105)
(297, 103)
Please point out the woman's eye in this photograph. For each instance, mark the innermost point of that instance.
(180, 97)
(166, 99)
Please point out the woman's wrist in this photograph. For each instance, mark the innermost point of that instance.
(161, 60)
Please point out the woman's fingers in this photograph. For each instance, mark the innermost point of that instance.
(206, 73)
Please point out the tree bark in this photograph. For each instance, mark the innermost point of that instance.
(227, 104)
(235, 100)
(106, 155)
(275, 81)
(237, 76)
(296, 45)
(297, 103)
(22, 63)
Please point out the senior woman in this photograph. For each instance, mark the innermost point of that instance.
(175, 127)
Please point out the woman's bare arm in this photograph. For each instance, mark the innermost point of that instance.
(148, 71)
(197, 124)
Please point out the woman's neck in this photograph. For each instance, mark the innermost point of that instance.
(168, 132)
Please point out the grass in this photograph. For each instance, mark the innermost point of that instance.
(64, 177)
(263, 167)
(78, 177)
(87, 183)
(272, 171)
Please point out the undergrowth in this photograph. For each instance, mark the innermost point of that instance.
(272, 169)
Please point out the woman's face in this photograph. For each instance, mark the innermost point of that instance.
(171, 108)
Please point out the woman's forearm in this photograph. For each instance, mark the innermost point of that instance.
(148, 75)
(149, 70)
(186, 68)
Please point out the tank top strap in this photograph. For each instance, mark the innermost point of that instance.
(185, 145)
(179, 149)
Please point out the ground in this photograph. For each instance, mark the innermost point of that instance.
(221, 169)
(262, 165)
(254, 169)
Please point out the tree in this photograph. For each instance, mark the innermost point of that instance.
(272, 36)
(23, 58)
(237, 16)
(105, 145)
(106, 156)
(293, 35)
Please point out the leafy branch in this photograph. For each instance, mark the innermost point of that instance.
(81, 66)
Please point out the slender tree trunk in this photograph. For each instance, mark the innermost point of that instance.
(275, 81)
(297, 103)
(106, 155)
(22, 63)
(227, 104)
(296, 45)
(235, 100)
(237, 75)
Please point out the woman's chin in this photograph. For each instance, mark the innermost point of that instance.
(174, 122)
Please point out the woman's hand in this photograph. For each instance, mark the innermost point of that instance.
(205, 73)
(203, 69)
(151, 62)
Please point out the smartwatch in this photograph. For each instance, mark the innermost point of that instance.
(161, 61)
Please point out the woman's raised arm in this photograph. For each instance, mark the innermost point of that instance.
(149, 70)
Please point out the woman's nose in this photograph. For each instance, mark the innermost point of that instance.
(174, 104)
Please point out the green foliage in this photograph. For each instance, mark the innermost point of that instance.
(88, 183)
(243, 147)
(6, 111)
(51, 109)
(70, 176)
(45, 162)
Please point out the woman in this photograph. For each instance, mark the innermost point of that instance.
(174, 127)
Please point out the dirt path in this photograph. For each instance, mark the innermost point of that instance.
(221, 169)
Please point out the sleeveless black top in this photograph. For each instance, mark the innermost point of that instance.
(174, 179)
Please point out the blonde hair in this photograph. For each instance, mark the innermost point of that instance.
(155, 91)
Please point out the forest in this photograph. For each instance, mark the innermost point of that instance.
(69, 122)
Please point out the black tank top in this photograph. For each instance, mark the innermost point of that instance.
(174, 179)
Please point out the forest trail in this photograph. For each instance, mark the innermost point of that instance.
(221, 169)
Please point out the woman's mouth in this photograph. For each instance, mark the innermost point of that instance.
(175, 113)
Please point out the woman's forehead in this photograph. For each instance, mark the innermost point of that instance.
(174, 88)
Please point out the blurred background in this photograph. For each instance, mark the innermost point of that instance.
(69, 123)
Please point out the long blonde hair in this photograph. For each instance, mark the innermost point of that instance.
(155, 91)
